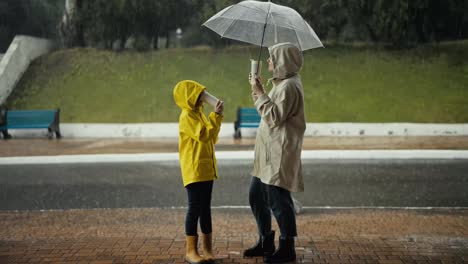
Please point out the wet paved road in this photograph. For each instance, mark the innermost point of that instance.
(67, 146)
(400, 183)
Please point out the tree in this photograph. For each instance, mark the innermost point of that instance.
(12, 15)
(175, 14)
(34, 18)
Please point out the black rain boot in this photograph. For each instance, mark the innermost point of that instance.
(285, 253)
(265, 246)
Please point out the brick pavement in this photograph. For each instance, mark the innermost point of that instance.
(155, 235)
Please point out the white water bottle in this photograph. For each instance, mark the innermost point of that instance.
(253, 70)
(209, 98)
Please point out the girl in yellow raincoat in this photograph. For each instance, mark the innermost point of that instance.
(197, 136)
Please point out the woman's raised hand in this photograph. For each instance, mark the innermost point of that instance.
(257, 88)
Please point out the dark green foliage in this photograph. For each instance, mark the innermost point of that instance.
(401, 23)
(104, 21)
(110, 23)
(28, 17)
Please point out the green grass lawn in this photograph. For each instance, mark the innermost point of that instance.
(342, 83)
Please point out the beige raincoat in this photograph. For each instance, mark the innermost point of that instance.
(279, 137)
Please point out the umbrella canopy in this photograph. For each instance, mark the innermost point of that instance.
(263, 24)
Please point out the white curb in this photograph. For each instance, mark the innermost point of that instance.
(241, 155)
(171, 130)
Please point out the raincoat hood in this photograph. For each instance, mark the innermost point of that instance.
(287, 60)
(186, 94)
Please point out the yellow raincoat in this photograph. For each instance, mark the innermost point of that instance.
(197, 135)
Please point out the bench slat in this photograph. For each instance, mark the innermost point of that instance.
(30, 119)
(15, 114)
(250, 121)
(26, 126)
(248, 117)
(249, 125)
(244, 111)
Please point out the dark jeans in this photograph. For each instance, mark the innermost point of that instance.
(199, 207)
(263, 198)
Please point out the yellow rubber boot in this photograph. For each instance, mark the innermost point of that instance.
(207, 247)
(191, 255)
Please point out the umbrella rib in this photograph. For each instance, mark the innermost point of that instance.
(251, 8)
(276, 28)
(298, 42)
(271, 14)
(230, 25)
(227, 9)
(248, 7)
(233, 20)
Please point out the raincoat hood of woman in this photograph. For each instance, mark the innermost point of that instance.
(287, 60)
(186, 94)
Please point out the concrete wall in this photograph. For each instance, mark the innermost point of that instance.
(22, 51)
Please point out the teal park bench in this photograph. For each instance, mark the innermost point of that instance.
(30, 119)
(246, 117)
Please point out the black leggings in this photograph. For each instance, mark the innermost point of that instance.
(199, 207)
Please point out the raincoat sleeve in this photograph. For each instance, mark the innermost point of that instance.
(199, 130)
(216, 119)
(275, 112)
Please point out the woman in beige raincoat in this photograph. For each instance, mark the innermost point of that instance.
(277, 167)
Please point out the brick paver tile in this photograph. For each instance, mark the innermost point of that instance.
(130, 236)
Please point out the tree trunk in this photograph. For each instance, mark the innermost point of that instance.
(123, 39)
(167, 39)
(156, 40)
(372, 34)
(80, 39)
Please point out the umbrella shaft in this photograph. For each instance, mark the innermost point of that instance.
(260, 53)
(263, 36)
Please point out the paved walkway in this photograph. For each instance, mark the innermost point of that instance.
(156, 236)
(34, 147)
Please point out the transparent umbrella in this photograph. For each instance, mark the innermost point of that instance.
(263, 24)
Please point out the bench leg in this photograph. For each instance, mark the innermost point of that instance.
(50, 133)
(5, 134)
(237, 133)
